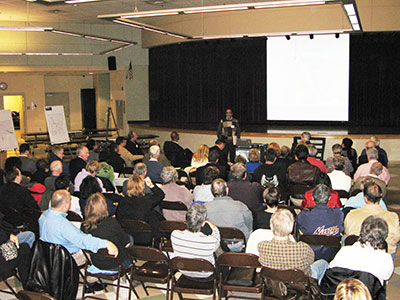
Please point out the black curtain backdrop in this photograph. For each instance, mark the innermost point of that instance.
(193, 83)
(375, 79)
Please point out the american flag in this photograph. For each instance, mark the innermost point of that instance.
(129, 74)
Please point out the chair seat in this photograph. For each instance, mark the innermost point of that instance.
(187, 285)
(152, 269)
(256, 286)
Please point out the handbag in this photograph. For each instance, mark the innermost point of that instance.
(9, 250)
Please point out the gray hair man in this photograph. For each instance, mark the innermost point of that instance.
(374, 173)
(339, 178)
(337, 152)
(154, 168)
(224, 211)
(364, 169)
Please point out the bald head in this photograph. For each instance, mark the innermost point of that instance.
(61, 201)
(56, 168)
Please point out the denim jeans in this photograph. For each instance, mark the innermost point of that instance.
(27, 237)
(318, 269)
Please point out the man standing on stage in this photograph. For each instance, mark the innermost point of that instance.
(229, 129)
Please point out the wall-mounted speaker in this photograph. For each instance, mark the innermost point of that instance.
(112, 63)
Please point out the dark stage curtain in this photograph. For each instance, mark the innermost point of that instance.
(193, 83)
(375, 79)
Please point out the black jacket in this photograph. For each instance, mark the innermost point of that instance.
(53, 271)
(75, 166)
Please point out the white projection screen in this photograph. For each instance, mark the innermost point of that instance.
(308, 79)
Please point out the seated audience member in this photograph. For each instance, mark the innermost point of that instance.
(162, 159)
(93, 148)
(281, 253)
(63, 183)
(99, 224)
(213, 159)
(337, 152)
(131, 145)
(90, 186)
(202, 193)
(339, 179)
(334, 201)
(263, 234)
(115, 160)
(141, 170)
(106, 172)
(11, 162)
(14, 199)
(178, 156)
(200, 157)
(79, 162)
(285, 157)
(350, 153)
(374, 142)
(254, 160)
(321, 220)
(352, 289)
(249, 193)
(56, 169)
(354, 219)
(28, 164)
(363, 170)
(91, 169)
(154, 168)
(174, 193)
(368, 254)
(374, 172)
(220, 147)
(271, 173)
(312, 154)
(139, 206)
(128, 157)
(271, 197)
(302, 175)
(56, 229)
(9, 239)
(58, 154)
(305, 138)
(193, 243)
(358, 201)
(43, 171)
(223, 211)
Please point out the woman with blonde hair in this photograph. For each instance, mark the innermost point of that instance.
(99, 224)
(200, 157)
(352, 289)
(254, 160)
(138, 205)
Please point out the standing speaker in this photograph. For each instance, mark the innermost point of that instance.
(112, 63)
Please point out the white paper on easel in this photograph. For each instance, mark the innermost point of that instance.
(8, 139)
(56, 124)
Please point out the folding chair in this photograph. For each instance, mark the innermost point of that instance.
(287, 284)
(28, 295)
(12, 291)
(103, 253)
(241, 276)
(231, 235)
(322, 241)
(165, 228)
(190, 285)
(140, 230)
(155, 269)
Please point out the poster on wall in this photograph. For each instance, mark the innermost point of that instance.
(56, 124)
(8, 139)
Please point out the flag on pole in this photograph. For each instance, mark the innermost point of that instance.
(129, 74)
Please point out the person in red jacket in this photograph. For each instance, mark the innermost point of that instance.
(334, 201)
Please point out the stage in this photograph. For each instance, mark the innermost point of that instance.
(193, 135)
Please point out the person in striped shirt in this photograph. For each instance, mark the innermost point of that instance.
(200, 239)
